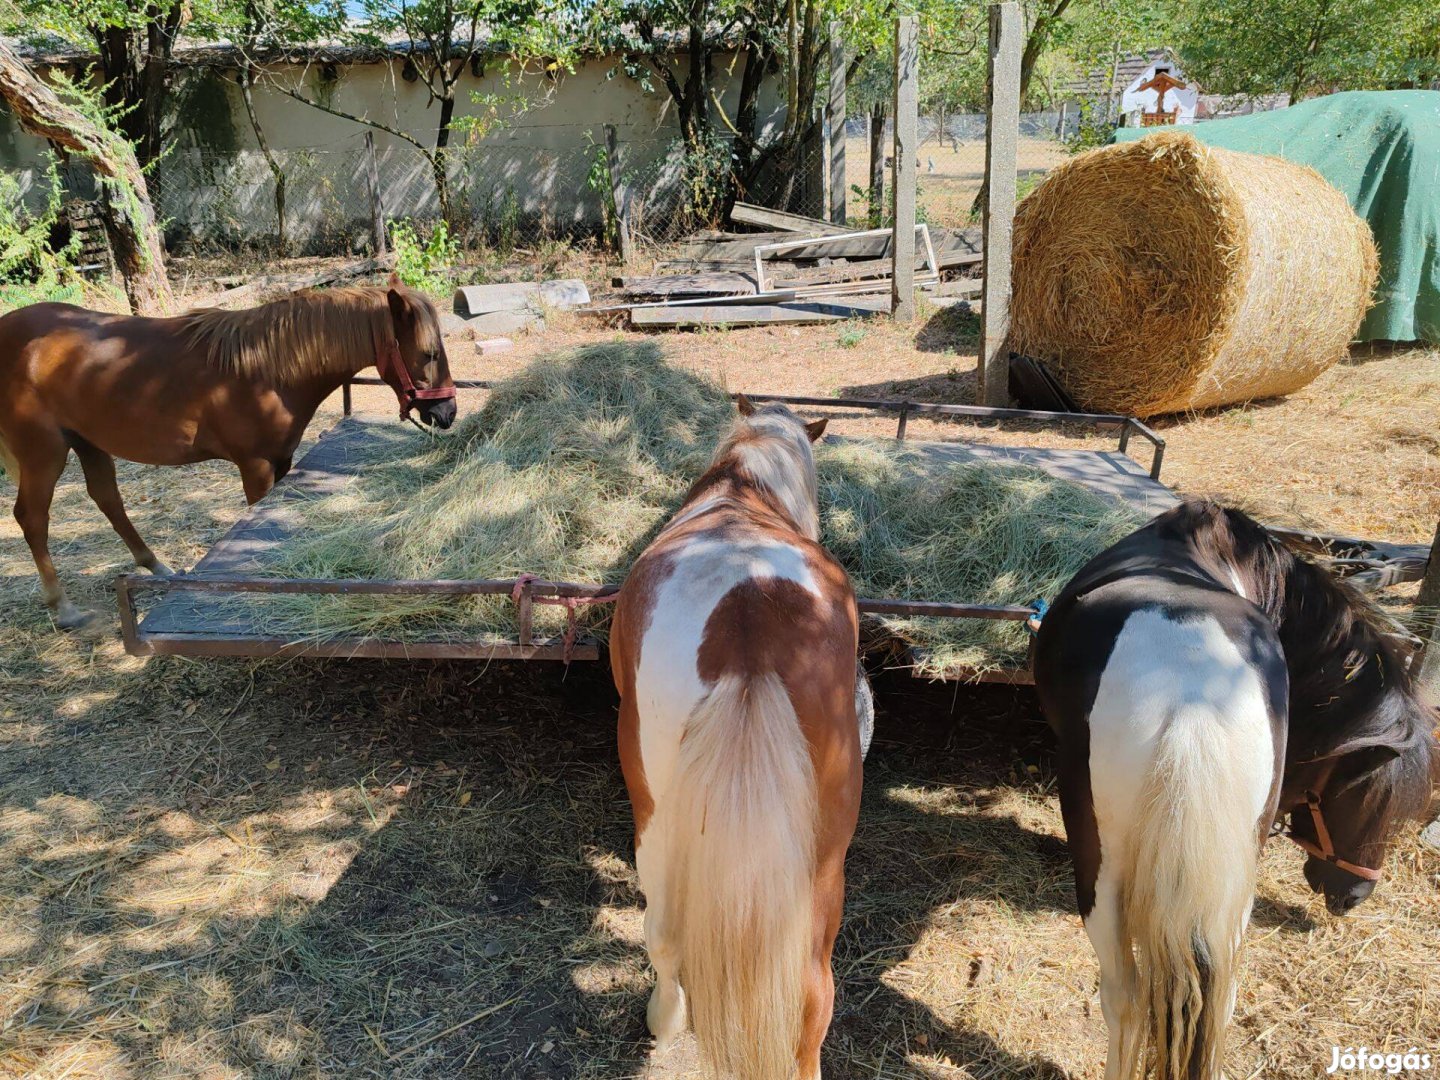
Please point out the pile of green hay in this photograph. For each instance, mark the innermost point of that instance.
(574, 465)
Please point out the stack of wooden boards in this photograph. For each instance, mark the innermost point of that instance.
(824, 273)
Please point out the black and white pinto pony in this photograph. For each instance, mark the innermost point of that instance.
(1203, 682)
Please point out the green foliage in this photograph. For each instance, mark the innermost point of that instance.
(1303, 47)
(704, 176)
(851, 336)
(424, 264)
(602, 181)
(30, 271)
(1093, 130)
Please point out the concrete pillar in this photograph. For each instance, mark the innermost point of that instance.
(1002, 132)
(907, 145)
(835, 111)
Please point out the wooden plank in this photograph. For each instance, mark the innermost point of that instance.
(252, 290)
(799, 312)
(1002, 133)
(748, 214)
(729, 283)
(907, 145)
(835, 111)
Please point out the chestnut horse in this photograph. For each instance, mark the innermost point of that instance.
(1203, 680)
(733, 648)
(237, 385)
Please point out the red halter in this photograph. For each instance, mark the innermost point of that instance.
(388, 363)
(1325, 849)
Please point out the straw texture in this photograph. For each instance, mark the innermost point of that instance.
(1163, 275)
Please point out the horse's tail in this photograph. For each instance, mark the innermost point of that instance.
(741, 858)
(7, 460)
(1188, 891)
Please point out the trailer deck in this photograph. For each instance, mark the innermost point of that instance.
(195, 614)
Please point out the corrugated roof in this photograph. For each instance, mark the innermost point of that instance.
(1098, 83)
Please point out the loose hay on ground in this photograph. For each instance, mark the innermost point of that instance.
(1164, 275)
(574, 465)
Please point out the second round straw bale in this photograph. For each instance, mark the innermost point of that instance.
(1163, 275)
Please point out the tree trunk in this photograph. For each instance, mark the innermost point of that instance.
(130, 220)
(877, 165)
(247, 82)
(135, 64)
(440, 163)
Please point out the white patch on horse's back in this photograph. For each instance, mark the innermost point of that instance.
(668, 684)
(1163, 672)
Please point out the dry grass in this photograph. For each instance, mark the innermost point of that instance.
(1163, 275)
(226, 870)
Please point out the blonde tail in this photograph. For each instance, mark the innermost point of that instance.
(1188, 896)
(742, 860)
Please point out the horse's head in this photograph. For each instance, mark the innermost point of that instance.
(773, 446)
(1357, 795)
(420, 376)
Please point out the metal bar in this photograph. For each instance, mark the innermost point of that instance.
(904, 421)
(1125, 436)
(944, 610)
(239, 583)
(980, 412)
(525, 613)
(168, 644)
(346, 398)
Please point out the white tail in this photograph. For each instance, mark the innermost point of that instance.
(1187, 895)
(741, 858)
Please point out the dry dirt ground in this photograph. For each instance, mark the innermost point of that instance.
(231, 869)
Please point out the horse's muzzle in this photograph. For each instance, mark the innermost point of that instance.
(438, 414)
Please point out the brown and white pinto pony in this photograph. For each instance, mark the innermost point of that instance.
(1204, 681)
(238, 385)
(733, 648)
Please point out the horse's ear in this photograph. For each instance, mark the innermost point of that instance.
(399, 306)
(816, 428)
(394, 281)
(743, 404)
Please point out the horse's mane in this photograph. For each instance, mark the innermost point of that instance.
(313, 332)
(1349, 678)
(770, 448)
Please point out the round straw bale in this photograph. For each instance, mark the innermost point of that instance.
(1163, 275)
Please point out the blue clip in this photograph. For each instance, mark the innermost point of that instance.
(1040, 608)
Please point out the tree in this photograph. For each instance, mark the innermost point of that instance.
(1303, 47)
(446, 38)
(81, 131)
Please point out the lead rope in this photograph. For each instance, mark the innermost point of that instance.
(570, 603)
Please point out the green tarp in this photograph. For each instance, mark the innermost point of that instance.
(1382, 149)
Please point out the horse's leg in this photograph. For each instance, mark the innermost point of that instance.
(105, 493)
(258, 476)
(665, 1014)
(41, 463)
(820, 985)
(1118, 981)
(282, 468)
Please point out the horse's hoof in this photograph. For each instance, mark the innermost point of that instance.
(70, 617)
(159, 569)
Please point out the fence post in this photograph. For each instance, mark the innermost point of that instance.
(377, 209)
(902, 188)
(618, 193)
(1002, 131)
(836, 111)
(1429, 599)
